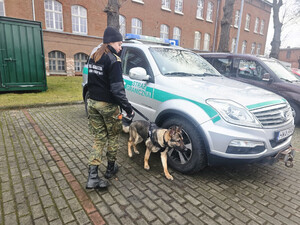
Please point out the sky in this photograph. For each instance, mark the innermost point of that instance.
(291, 34)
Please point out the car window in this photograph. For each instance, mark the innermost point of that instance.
(180, 62)
(250, 69)
(133, 57)
(222, 65)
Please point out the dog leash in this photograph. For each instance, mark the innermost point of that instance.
(141, 114)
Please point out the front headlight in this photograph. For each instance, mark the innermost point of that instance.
(233, 112)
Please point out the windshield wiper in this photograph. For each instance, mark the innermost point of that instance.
(179, 74)
(210, 75)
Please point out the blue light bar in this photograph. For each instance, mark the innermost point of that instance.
(152, 39)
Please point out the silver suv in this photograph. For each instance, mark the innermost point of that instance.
(223, 120)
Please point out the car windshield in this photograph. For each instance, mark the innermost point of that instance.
(280, 71)
(180, 62)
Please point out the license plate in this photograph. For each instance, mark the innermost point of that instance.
(279, 135)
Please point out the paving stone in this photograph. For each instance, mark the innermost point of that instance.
(81, 217)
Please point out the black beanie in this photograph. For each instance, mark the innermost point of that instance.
(111, 35)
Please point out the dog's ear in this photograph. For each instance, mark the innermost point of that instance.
(178, 129)
(172, 131)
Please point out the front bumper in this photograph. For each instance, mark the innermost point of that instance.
(221, 134)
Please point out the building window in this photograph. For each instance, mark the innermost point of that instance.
(177, 34)
(236, 18)
(57, 61)
(179, 6)
(247, 24)
(210, 8)
(244, 47)
(2, 8)
(253, 48)
(288, 54)
(197, 40)
(200, 9)
(164, 31)
(258, 49)
(53, 15)
(256, 25)
(206, 42)
(136, 26)
(165, 4)
(233, 43)
(79, 61)
(122, 22)
(262, 26)
(79, 19)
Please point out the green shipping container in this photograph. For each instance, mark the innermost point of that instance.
(22, 61)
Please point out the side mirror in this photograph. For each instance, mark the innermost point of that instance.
(267, 77)
(138, 73)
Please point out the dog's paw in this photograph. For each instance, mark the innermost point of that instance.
(137, 152)
(130, 155)
(169, 177)
(146, 167)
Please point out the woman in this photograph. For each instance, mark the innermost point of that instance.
(107, 95)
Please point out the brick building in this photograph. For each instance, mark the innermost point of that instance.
(72, 28)
(290, 55)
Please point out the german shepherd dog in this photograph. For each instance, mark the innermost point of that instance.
(156, 140)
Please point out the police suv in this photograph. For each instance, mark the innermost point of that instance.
(223, 120)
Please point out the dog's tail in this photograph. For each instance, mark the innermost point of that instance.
(125, 124)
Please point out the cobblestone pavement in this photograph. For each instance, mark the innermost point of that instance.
(43, 170)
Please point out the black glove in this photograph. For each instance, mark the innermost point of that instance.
(130, 116)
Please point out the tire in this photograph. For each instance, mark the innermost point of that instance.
(86, 97)
(296, 113)
(193, 158)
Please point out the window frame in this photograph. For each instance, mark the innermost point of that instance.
(236, 18)
(200, 10)
(233, 44)
(79, 19)
(197, 40)
(166, 5)
(244, 47)
(135, 27)
(56, 60)
(262, 27)
(177, 34)
(3, 4)
(256, 25)
(53, 14)
(206, 42)
(209, 11)
(122, 25)
(247, 23)
(82, 62)
(253, 45)
(178, 8)
(164, 33)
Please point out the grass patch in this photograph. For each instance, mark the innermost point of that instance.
(60, 90)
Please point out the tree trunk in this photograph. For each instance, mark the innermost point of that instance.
(276, 42)
(112, 10)
(225, 26)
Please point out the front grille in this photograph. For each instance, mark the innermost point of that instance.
(274, 115)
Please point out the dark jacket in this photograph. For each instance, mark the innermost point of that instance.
(105, 81)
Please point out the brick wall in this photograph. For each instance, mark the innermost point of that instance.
(152, 16)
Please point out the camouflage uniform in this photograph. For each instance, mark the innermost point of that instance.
(105, 125)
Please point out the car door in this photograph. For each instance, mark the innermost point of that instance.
(251, 72)
(139, 93)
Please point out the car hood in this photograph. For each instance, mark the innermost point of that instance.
(203, 88)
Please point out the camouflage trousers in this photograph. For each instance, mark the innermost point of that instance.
(106, 127)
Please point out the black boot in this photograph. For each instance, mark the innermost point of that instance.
(112, 169)
(94, 182)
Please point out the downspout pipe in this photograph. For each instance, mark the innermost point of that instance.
(216, 26)
(33, 10)
(239, 29)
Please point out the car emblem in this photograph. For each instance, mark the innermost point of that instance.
(283, 116)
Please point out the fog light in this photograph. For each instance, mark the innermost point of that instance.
(245, 147)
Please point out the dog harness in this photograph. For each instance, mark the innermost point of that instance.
(151, 133)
